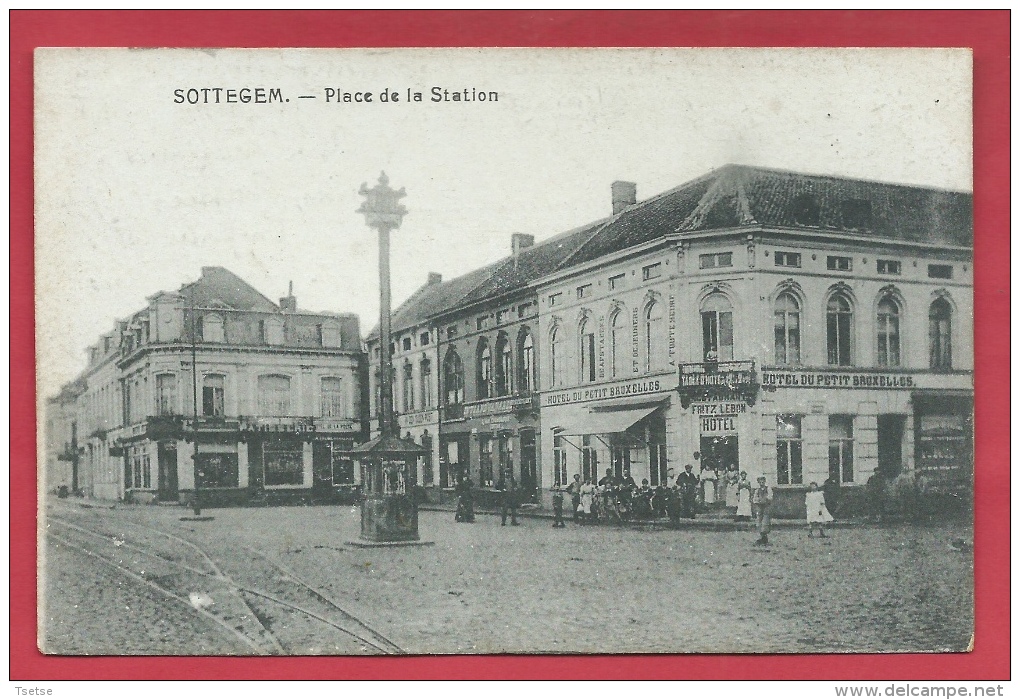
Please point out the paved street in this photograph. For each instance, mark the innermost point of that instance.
(482, 588)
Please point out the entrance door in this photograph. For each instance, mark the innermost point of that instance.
(529, 470)
(890, 445)
(167, 486)
(719, 451)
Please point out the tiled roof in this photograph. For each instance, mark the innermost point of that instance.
(730, 197)
(739, 195)
(219, 287)
(432, 299)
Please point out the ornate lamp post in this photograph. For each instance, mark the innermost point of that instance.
(389, 511)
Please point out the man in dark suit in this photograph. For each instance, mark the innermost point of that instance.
(687, 485)
(508, 485)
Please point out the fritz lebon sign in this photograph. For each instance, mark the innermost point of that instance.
(612, 391)
(836, 380)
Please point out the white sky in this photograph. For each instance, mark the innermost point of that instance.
(134, 194)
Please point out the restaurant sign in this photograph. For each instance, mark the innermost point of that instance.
(713, 381)
(490, 408)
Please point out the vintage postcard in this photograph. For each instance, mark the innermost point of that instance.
(485, 351)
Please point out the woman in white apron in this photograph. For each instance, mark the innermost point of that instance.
(743, 497)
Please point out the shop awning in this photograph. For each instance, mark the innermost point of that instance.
(606, 422)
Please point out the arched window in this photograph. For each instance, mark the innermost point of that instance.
(787, 325)
(484, 387)
(717, 328)
(888, 333)
(333, 401)
(940, 334)
(587, 349)
(426, 383)
(274, 395)
(453, 378)
(526, 363)
(504, 365)
(656, 344)
(839, 324)
(557, 361)
(212, 328)
(212, 395)
(618, 337)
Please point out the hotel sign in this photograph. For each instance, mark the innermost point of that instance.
(409, 420)
(836, 380)
(336, 425)
(611, 391)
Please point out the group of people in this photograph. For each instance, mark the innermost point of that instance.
(510, 498)
(618, 497)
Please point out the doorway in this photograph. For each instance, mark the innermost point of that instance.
(719, 451)
(167, 484)
(529, 470)
(890, 445)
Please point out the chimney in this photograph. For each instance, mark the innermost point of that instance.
(289, 302)
(624, 195)
(520, 241)
(434, 278)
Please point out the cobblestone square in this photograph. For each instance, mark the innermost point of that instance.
(483, 588)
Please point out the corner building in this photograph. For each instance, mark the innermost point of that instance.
(797, 326)
(261, 401)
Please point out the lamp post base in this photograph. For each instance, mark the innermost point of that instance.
(391, 518)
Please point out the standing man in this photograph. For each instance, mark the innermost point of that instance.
(761, 502)
(557, 500)
(687, 485)
(508, 485)
(575, 496)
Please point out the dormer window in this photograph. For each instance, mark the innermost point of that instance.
(856, 214)
(806, 211)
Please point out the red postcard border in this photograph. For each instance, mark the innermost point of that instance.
(985, 32)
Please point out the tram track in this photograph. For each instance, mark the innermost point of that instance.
(261, 585)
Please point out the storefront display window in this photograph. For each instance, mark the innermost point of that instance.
(485, 461)
(283, 463)
(559, 462)
(217, 469)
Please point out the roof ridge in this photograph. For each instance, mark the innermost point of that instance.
(831, 176)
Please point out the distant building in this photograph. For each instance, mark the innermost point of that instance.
(272, 393)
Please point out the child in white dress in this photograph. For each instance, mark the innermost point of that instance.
(817, 513)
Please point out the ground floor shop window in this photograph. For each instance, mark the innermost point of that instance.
(332, 462)
(427, 476)
(841, 448)
(621, 460)
(657, 466)
(453, 461)
(789, 450)
(485, 461)
(559, 462)
(589, 459)
(282, 463)
(137, 473)
(217, 469)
